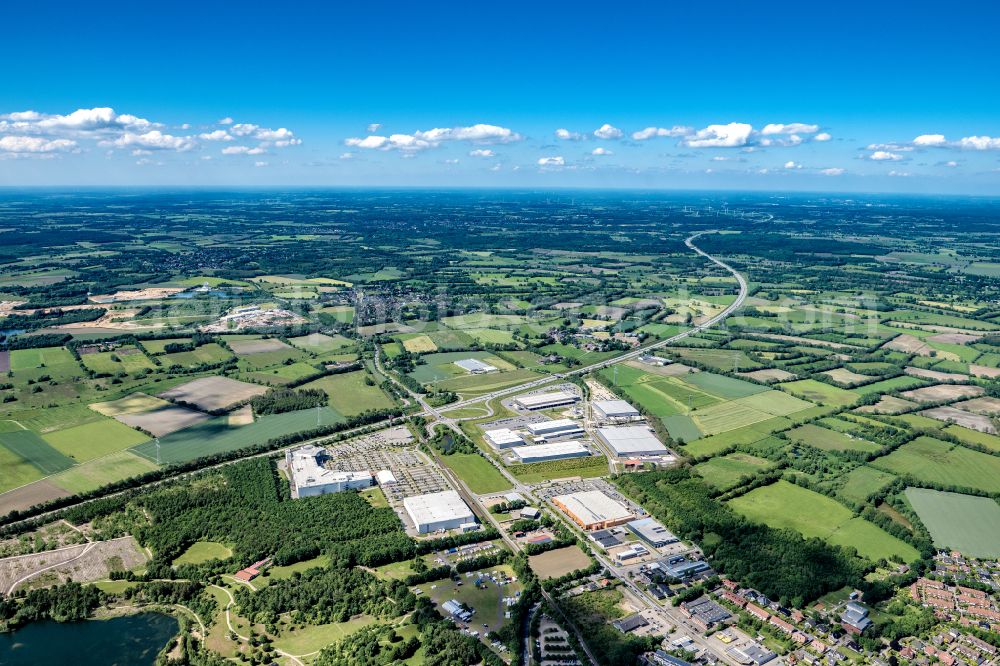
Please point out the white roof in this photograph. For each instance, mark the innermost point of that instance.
(554, 425)
(546, 398)
(437, 507)
(614, 408)
(502, 436)
(631, 440)
(593, 506)
(474, 364)
(385, 476)
(568, 448)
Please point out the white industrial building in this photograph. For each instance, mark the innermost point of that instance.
(475, 366)
(556, 428)
(626, 441)
(614, 410)
(652, 532)
(553, 451)
(592, 509)
(438, 511)
(546, 400)
(503, 438)
(309, 477)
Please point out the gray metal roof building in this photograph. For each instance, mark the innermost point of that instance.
(634, 440)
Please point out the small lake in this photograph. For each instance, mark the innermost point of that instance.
(131, 640)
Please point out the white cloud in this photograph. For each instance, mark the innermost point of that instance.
(822, 136)
(374, 127)
(566, 135)
(155, 140)
(607, 131)
(651, 132)
(832, 171)
(225, 121)
(601, 151)
(551, 161)
(792, 165)
(482, 152)
(980, 143)
(280, 134)
(951, 164)
(790, 128)
(243, 150)
(217, 135)
(260, 164)
(899, 174)
(451, 161)
(424, 139)
(930, 140)
(884, 156)
(347, 156)
(34, 145)
(720, 136)
(244, 129)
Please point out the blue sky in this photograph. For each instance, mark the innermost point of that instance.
(873, 96)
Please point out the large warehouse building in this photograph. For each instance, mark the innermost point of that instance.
(503, 438)
(438, 511)
(554, 451)
(309, 477)
(626, 441)
(556, 428)
(546, 400)
(475, 366)
(614, 410)
(593, 510)
(652, 532)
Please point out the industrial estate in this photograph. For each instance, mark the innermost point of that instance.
(311, 428)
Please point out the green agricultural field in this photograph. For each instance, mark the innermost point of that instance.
(589, 467)
(477, 472)
(210, 353)
(968, 524)
(722, 386)
(478, 320)
(974, 437)
(101, 471)
(128, 359)
(473, 385)
(829, 440)
(349, 394)
(491, 336)
(49, 357)
(720, 359)
(862, 481)
(824, 394)
(446, 339)
(93, 440)
(17, 470)
(933, 461)
(54, 418)
(28, 446)
(682, 427)
(901, 383)
(203, 551)
(725, 472)
(283, 374)
(785, 505)
(217, 436)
